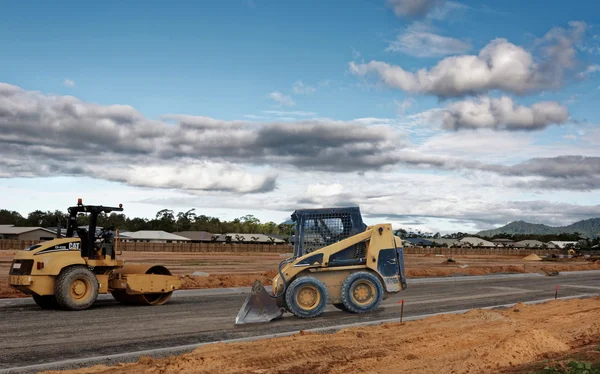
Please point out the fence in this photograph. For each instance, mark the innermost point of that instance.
(7, 244)
(481, 251)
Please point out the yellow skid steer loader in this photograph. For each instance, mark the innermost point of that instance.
(69, 273)
(337, 260)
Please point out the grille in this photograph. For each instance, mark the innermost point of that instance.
(321, 230)
(360, 250)
(24, 267)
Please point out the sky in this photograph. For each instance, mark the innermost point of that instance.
(432, 115)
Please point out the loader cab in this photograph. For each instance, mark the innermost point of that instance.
(318, 228)
(94, 243)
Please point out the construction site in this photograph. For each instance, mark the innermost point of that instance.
(327, 306)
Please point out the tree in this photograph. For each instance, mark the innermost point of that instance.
(8, 217)
(401, 233)
(185, 220)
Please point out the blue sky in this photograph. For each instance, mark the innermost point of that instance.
(285, 62)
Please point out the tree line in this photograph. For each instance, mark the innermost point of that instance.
(165, 220)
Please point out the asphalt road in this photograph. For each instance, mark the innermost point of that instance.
(31, 336)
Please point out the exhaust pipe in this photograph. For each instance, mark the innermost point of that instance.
(258, 307)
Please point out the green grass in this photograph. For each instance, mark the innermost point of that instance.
(571, 367)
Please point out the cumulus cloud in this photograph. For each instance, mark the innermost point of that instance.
(500, 65)
(42, 135)
(302, 89)
(281, 99)
(420, 41)
(69, 83)
(567, 166)
(45, 135)
(414, 8)
(502, 114)
(191, 176)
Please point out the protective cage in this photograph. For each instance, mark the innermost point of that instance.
(318, 228)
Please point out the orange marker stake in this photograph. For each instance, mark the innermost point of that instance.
(401, 302)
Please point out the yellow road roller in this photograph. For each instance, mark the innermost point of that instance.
(69, 273)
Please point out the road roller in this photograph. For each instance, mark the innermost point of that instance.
(68, 273)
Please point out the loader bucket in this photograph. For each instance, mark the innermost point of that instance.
(259, 306)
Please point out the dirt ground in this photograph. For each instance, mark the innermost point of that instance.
(479, 341)
(242, 269)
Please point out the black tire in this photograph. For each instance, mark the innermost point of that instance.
(367, 282)
(341, 306)
(46, 301)
(76, 288)
(121, 297)
(315, 289)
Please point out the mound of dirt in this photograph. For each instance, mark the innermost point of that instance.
(9, 292)
(226, 281)
(532, 257)
(479, 341)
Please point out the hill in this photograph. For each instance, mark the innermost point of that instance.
(589, 228)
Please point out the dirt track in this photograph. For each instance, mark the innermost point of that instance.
(242, 269)
(476, 342)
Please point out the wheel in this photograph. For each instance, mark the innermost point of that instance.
(121, 296)
(76, 288)
(306, 297)
(361, 292)
(46, 301)
(340, 306)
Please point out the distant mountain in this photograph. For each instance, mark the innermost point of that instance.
(589, 228)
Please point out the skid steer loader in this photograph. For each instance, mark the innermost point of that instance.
(337, 260)
(68, 273)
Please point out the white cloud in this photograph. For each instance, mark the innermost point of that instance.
(69, 83)
(502, 114)
(420, 41)
(500, 65)
(302, 89)
(188, 176)
(281, 99)
(591, 69)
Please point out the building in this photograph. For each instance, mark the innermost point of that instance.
(441, 242)
(504, 242)
(196, 236)
(430, 242)
(474, 242)
(152, 236)
(556, 244)
(26, 233)
(419, 242)
(529, 244)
